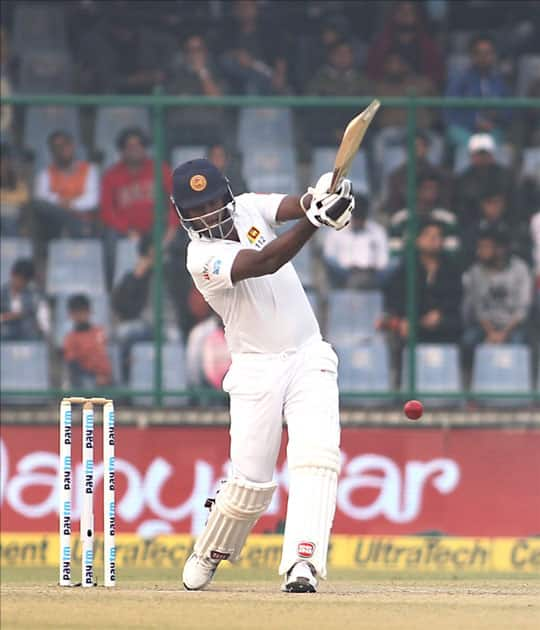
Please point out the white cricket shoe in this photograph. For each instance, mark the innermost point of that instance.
(300, 578)
(198, 572)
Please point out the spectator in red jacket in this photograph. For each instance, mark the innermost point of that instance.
(127, 194)
(404, 32)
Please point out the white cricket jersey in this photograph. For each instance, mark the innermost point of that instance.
(268, 314)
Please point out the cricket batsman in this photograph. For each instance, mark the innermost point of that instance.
(281, 367)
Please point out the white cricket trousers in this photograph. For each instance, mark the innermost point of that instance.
(301, 387)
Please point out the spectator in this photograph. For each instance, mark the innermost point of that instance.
(207, 355)
(13, 194)
(397, 183)
(220, 157)
(117, 55)
(194, 73)
(438, 293)
(357, 256)
(130, 304)
(404, 32)
(495, 217)
(482, 175)
(66, 192)
(339, 76)
(428, 209)
(255, 61)
(24, 312)
(85, 347)
(398, 79)
(497, 294)
(480, 80)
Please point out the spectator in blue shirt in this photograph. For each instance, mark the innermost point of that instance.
(481, 80)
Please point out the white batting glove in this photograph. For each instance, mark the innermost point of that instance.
(333, 210)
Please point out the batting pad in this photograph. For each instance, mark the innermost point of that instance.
(313, 476)
(238, 506)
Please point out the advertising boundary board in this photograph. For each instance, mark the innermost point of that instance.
(422, 554)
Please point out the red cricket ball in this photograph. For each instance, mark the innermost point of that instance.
(413, 409)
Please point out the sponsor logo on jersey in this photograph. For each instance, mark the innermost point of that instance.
(198, 183)
(255, 237)
(305, 549)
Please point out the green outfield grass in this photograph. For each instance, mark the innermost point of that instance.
(250, 599)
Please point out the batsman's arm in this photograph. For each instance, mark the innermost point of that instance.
(250, 263)
(290, 209)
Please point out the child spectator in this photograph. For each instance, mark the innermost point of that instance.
(428, 208)
(85, 347)
(498, 291)
(481, 80)
(356, 256)
(24, 312)
(66, 192)
(438, 293)
(130, 304)
(13, 194)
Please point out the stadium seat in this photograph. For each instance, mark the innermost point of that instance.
(125, 258)
(352, 315)
(100, 315)
(24, 365)
(75, 266)
(437, 371)
(271, 169)
(110, 121)
(323, 161)
(40, 25)
(173, 371)
(531, 163)
(528, 71)
(187, 152)
(266, 126)
(44, 71)
(364, 367)
(11, 249)
(502, 368)
(40, 122)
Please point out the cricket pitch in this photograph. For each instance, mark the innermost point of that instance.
(250, 599)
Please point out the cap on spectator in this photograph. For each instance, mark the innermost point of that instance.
(481, 142)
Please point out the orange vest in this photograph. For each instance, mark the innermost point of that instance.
(69, 185)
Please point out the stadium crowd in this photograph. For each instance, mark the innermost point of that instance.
(86, 175)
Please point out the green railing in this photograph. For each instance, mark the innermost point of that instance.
(158, 103)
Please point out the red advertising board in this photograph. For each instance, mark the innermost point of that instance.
(462, 482)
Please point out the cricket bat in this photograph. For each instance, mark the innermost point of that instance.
(350, 143)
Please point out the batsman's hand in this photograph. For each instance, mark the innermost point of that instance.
(333, 210)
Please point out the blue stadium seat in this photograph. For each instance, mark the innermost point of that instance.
(75, 266)
(528, 72)
(187, 152)
(364, 367)
(40, 122)
(352, 315)
(323, 161)
(530, 166)
(62, 324)
(125, 258)
(110, 121)
(173, 370)
(502, 368)
(437, 371)
(12, 248)
(271, 169)
(264, 126)
(24, 365)
(45, 71)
